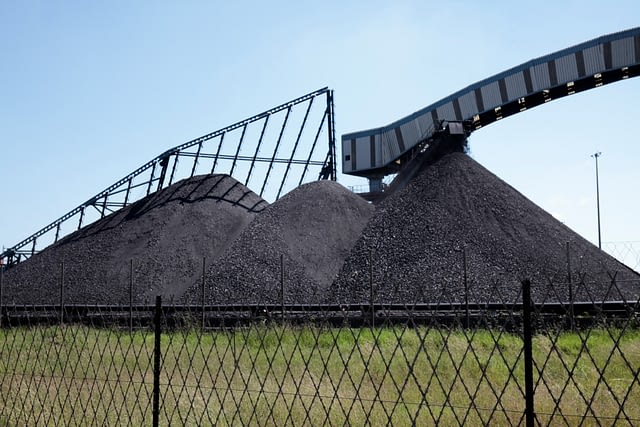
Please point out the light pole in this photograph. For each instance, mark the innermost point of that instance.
(596, 155)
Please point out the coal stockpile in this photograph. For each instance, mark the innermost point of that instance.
(455, 213)
(312, 228)
(453, 220)
(166, 234)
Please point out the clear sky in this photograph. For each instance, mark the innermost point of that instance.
(91, 90)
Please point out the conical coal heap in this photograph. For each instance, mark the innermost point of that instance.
(312, 228)
(166, 234)
(457, 226)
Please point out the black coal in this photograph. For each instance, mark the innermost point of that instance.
(414, 243)
(455, 208)
(312, 228)
(167, 234)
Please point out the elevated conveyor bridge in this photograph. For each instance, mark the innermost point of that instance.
(375, 153)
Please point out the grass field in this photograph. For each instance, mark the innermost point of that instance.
(273, 375)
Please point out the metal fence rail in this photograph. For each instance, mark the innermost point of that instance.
(516, 362)
(176, 316)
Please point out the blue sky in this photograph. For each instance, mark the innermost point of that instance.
(91, 90)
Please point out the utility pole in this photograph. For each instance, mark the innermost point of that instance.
(596, 155)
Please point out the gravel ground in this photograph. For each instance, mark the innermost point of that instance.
(167, 234)
(313, 227)
(416, 240)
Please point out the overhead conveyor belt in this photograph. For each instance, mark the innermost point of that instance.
(377, 152)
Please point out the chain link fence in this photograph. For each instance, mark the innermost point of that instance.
(626, 252)
(534, 359)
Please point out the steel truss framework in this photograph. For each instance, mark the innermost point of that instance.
(270, 153)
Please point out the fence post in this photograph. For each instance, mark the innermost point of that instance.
(466, 286)
(528, 353)
(570, 281)
(131, 296)
(1, 293)
(61, 293)
(156, 361)
(282, 285)
(204, 266)
(371, 307)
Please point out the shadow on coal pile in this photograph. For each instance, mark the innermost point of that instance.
(167, 234)
(221, 188)
(197, 190)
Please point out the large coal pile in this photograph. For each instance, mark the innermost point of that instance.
(455, 208)
(167, 234)
(313, 228)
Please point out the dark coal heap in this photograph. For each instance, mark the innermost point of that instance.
(313, 228)
(454, 208)
(167, 234)
(416, 241)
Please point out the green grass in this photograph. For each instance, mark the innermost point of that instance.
(273, 375)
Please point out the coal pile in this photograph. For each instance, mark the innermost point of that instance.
(417, 242)
(453, 219)
(313, 228)
(167, 234)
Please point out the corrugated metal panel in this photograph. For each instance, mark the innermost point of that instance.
(384, 147)
(491, 95)
(468, 105)
(434, 115)
(425, 123)
(385, 155)
(400, 139)
(566, 69)
(419, 123)
(456, 108)
(593, 59)
(540, 77)
(622, 52)
(379, 152)
(445, 112)
(516, 87)
(392, 144)
(346, 151)
(410, 134)
(392, 148)
(363, 153)
(416, 127)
